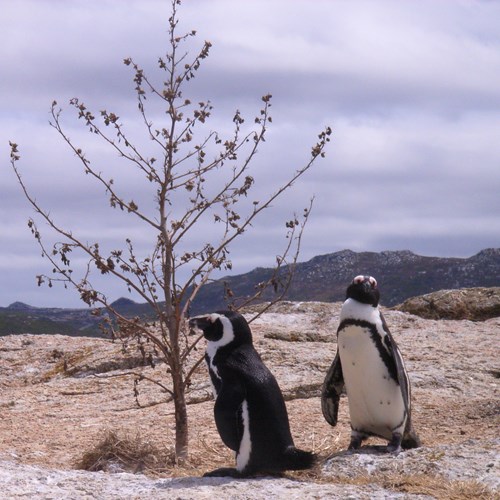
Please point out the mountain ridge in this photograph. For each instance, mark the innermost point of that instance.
(401, 274)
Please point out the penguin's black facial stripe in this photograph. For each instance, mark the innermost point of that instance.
(222, 327)
(214, 331)
(211, 325)
(218, 330)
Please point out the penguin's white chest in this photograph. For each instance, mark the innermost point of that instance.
(376, 403)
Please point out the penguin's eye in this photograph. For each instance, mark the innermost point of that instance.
(373, 282)
(358, 279)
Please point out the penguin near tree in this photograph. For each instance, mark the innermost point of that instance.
(250, 412)
(369, 365)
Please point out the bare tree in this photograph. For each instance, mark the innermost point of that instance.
(216, 190)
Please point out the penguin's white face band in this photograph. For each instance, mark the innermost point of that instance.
(224, 331)
(360, 279)
(227, 329)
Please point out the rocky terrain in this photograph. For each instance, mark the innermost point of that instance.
(62, 396)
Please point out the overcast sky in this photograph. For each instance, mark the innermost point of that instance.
(410, 88)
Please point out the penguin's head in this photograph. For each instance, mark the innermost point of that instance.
(223, 327)
(364, 289)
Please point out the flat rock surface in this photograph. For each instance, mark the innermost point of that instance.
(41, 483)
(61, 395)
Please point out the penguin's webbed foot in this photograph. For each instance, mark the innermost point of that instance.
(410, 440)
(223, 472)
(356, 440)
(394, 445)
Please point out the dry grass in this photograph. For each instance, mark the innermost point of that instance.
(118, 452)
(66, 364)
(122, 453)
(421, 484)
(424, 484)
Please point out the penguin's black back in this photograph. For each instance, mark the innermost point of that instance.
(250, 411)
(269, 426)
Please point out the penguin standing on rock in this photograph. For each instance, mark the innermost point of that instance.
(250, 411)
(369, 364)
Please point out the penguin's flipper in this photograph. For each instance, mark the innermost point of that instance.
(331, 391)
(410, 438)
(397, 360)
(227, 412)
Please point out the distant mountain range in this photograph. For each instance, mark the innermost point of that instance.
(22, 318)
(400, 274)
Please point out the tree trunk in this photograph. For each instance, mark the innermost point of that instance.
(179, 390)
(181, 421)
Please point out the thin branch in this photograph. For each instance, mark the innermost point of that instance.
(290, 268)
(318, 150)
(193, 369)
(141, 377)
(88, 170)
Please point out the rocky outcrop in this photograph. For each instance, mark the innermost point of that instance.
(475, 304)
(60, 395)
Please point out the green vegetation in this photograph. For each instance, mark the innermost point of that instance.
(18, 322)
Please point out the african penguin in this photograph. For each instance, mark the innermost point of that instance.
(250, 412)
(369, 364)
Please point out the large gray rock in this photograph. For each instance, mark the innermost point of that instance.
(470, 460)
(38, 483)
(475, 304)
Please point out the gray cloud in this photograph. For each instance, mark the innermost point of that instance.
(410, 89)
